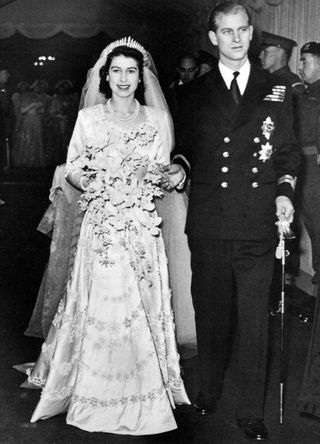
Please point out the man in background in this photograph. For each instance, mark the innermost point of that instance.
(309, 135)
(275, 55)
(186, 71)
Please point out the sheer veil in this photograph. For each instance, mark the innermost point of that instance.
(153, 94)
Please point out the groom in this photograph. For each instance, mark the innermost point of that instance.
(235, 140)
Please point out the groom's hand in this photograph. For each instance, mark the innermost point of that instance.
(173, 175)
(284, 208)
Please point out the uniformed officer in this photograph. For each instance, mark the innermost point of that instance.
(275, 54)
(309, 131)
(309, 135)
(235, 140)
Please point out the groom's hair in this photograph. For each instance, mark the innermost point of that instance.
(224, 9)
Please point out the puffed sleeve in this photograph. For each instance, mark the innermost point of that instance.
(164, 124)
(74, 168)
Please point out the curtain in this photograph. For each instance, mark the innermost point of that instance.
(46, 30)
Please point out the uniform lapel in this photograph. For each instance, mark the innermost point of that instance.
(257, 88)
(218, 107)
(220, 102)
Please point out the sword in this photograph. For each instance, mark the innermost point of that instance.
(284, 232)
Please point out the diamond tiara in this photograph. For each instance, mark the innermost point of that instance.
(130, 43)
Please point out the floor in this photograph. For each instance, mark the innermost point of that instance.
(23, 254)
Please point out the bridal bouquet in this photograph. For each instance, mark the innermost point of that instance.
(123, 185)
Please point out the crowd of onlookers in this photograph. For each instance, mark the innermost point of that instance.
(37, 122)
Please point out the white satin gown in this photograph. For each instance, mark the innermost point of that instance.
(110, 359)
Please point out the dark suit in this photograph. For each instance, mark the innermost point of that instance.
(231, 218)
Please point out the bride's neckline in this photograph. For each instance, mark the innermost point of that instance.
(129, 126)
(129, 117)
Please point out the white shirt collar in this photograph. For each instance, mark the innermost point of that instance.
(242, 79)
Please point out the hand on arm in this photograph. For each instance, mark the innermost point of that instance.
(173, 176)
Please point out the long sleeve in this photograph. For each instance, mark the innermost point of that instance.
(74, 169)
(166, 135)
(184, 125)
(286, 159)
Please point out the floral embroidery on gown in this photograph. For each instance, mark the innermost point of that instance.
(110, 359)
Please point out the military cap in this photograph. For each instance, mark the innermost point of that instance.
(268, 39)
(311, 48)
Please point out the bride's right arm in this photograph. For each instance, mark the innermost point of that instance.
(75, 174)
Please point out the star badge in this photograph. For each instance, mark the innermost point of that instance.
(268, 127)
(265, 152)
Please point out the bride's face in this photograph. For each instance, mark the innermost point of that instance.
(123, 76)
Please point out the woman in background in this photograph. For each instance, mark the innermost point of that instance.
(63, 109)
(28, 144)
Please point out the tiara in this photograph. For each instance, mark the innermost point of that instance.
(130, 43)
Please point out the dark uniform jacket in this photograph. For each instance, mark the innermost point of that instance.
(293, 79)
(309, 116)
(237, 156)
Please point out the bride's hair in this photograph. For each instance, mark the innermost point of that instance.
(125, 51)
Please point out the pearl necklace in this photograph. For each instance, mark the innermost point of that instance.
(126, 119)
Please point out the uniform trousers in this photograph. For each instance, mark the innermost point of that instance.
(310, 208)
(229, 276)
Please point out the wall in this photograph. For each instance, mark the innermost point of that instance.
(295, 19)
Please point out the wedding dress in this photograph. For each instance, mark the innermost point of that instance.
(110, 358)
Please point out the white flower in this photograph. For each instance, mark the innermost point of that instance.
(121, 179)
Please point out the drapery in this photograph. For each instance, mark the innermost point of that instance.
(76, 18)
(47, 30)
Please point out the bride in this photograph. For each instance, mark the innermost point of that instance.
(110, 358)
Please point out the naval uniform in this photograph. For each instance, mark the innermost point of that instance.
(239, 158)
(292, 245)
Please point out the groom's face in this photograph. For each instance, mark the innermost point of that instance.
(232, 36)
